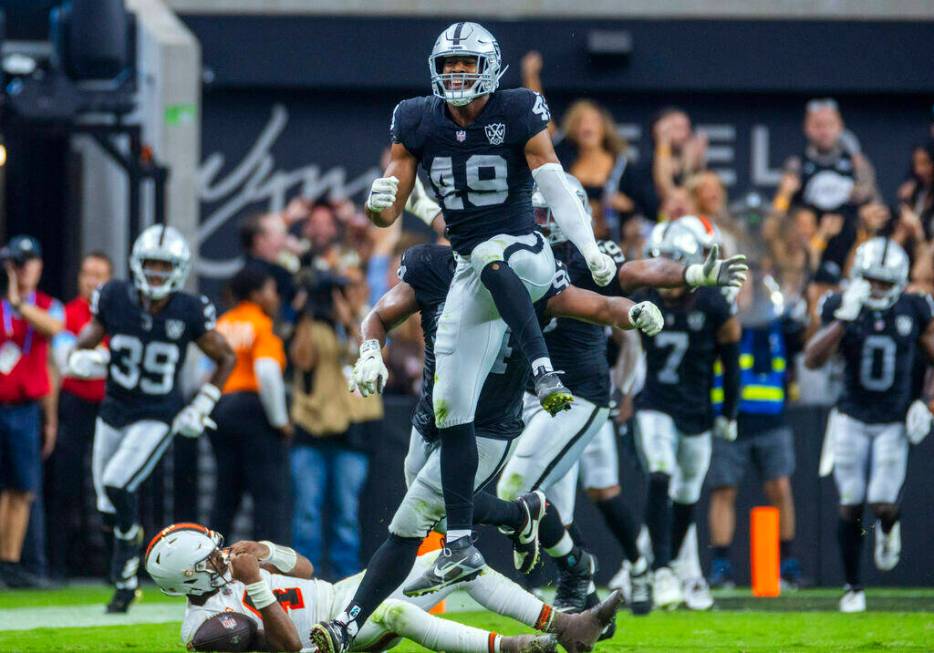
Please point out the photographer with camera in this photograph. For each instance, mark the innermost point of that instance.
(329, 459)
(30, 320)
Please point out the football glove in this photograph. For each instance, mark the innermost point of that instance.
(646, 317)
(852, 302)
(602, 267)
(729, 272)
(88, 363)
(382, 194)
(918, 423)
(194, 418)
(724, 428)
(369, 372)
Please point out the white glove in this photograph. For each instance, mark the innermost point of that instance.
(421, 205)
(852, 303)
(646, 317)
(918, 423)
(194, 418)
(382, 194)
(729, 272)
(602, 267)
(88, 363)
(369, 372)
(725, 428)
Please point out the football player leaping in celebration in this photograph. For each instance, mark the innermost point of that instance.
(881, 333)
(150, 322)
(270, 589)
(674, 411)
(481, 149)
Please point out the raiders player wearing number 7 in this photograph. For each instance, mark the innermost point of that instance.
(481, 148)
(150, 323)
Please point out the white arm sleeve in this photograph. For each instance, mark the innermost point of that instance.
(271, 390)
(421, 205)
(569, 214)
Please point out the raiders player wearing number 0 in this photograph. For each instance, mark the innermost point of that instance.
(481, 148)
(550, 447)
(257, 596)
(149, 322)
(880, 331)
(674, 412)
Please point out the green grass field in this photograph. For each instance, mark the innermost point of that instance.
(67, 620)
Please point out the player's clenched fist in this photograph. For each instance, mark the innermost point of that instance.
(369, 372)
(602, 268)
(646, 317)
(382, 194)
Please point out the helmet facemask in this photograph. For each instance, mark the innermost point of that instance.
(162, 248)
(465, 41)
(884, 264)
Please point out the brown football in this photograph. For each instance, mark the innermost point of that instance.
(228, 631)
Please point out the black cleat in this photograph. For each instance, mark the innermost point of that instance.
(526, 551)
(330, 637)
(121, 600)
(640, 597)
(552, 394)
(458, 562)
(575, 585)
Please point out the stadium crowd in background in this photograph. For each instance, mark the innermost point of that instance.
(314, 269)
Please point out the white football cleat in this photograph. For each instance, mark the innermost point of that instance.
(667, 590)
(620, 581)
(888, 547)
(853, 600)
(697, 594)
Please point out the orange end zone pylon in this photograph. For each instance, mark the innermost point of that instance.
(764, 555)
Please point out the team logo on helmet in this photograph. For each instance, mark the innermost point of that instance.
(495, 133)
(903, 324)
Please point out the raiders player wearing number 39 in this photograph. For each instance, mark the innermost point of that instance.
(881, 332)
(481, 148)
(150, 323)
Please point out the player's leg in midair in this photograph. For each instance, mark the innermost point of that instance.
(852, 449)
(886, 477)
(134, 452)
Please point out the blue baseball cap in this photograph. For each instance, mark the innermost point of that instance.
(24, 247)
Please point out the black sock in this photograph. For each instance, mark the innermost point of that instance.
(785, 549)
(577, 535)
(458, 470)
(888, 519)
(721, 552)
(550, 529)
(491, 510)
(620, 521)
(850, 538)
(126, 507)
(682, 516)
(386, 571)
(658, 519)
(515, 307)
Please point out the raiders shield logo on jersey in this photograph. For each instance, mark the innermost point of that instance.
(495, 133)
(903, 324)
(174, 328)
(696, 321)
(461, 136)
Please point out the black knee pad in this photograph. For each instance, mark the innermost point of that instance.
(885, 511)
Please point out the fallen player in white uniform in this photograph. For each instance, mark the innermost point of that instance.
(261, 596)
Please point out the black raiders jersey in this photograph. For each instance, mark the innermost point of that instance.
(680, 359)
(479, 173)
(147, 352)
(880, 351)
(429, 269)
(577, 348)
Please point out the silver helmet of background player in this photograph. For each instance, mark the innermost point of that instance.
(186, 559)
(160, 243)
(544, 217)
(882, 259)
(465, 40)
(677, 242)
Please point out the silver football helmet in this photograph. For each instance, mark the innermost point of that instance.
(186, 559)
(160, 243)
(544, 217)
(677, 242)
(882, 259)
(704, 230)
(471, 40)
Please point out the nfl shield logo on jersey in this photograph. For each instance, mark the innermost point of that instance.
(495, 133)
(174, 328)
(903, 324)
(461, 136)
